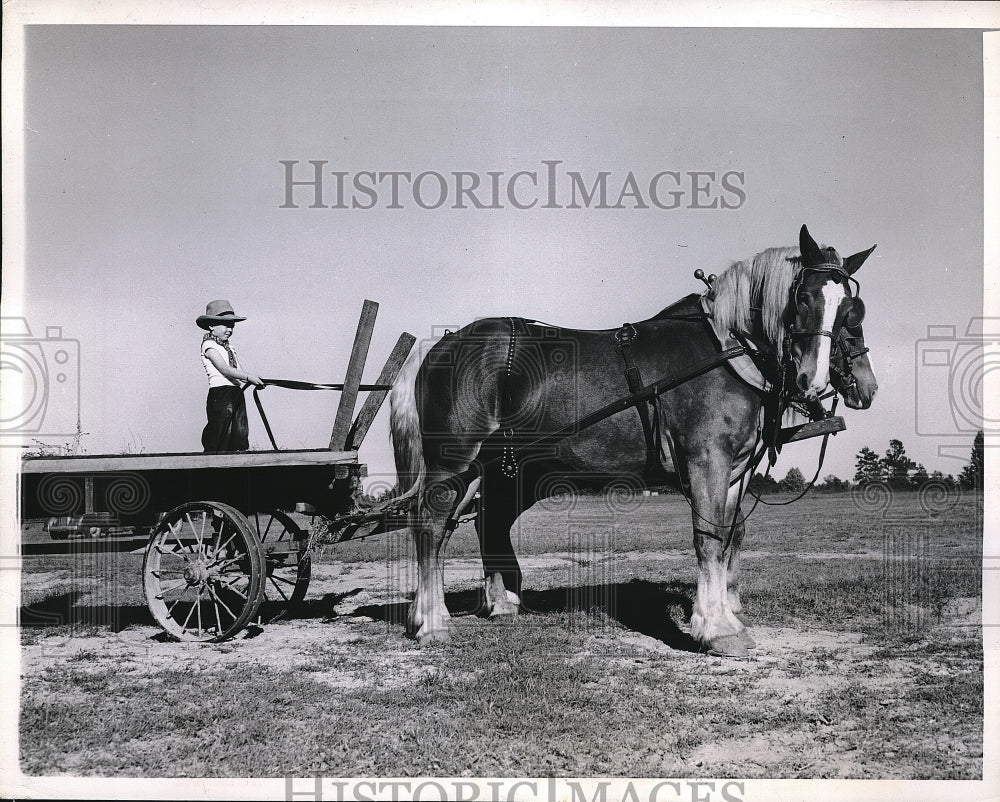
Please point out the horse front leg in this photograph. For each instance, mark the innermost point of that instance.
(714, 624)
(733, 563)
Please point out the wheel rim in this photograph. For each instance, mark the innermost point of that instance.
(203, 572)
(287, 563)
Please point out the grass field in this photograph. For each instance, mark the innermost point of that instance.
(869, 661)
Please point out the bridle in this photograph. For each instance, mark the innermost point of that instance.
(854, 316)
(845, 347)
(839, 341)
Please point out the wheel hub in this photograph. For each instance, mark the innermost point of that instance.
(196, 573)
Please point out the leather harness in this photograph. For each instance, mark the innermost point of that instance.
(649, 411)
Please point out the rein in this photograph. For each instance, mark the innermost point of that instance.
(289, 384)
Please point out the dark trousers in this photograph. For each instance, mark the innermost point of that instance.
(227, 428)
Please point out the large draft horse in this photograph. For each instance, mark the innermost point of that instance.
(465, 416)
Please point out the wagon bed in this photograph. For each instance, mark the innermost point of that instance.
(136, 485)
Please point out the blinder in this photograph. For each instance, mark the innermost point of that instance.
(855, 314)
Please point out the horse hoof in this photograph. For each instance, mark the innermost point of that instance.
(502, 604)
(743, 618)
(747, 639)
(728, 646)
(501, 609)
(434, 636)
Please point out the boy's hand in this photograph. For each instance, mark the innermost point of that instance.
(256, 381)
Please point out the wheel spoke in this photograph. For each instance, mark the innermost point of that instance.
(197, 535)
(231, 586)
(229, 562)
(223, 545)
(188, 616)
(219, 601)
(277, 587)
(177, 540)
(215, 606)
(158, 573)
(165, 590)
(170, 608)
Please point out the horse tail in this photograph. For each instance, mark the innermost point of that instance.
(404, 426)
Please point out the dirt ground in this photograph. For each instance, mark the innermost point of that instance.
(822, 695)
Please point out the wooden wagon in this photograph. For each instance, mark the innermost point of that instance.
(222, 547)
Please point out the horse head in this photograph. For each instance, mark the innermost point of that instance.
(851, 372)
(821, 306)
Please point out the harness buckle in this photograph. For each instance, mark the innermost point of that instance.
(626, 335)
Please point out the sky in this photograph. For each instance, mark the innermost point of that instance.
(154, 183)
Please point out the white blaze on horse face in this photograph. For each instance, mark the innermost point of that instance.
(833, 294)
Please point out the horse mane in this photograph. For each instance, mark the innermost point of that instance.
(764, 282)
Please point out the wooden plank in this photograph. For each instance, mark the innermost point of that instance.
(812, 429)
(352, 380)
(98, 463)
(375, 399)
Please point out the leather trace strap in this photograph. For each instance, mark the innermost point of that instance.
(649, 410)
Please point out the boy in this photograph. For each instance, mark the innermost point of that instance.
(227, 428)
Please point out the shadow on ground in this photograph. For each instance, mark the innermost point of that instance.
(62, 610)
(639, 605)
(649, 608)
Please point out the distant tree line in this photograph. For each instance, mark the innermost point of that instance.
(895, 469)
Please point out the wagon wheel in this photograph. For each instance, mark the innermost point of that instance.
(203, 572)
(287, 562)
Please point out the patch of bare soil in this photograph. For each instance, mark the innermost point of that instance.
(344, 637)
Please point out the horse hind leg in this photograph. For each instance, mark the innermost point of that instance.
(498, 510)
(428, 619)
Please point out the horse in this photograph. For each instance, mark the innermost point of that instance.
(496, 408)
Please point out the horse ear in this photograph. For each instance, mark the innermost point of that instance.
(852, 263)
(811, 254)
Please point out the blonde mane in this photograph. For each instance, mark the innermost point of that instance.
(764, 282)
